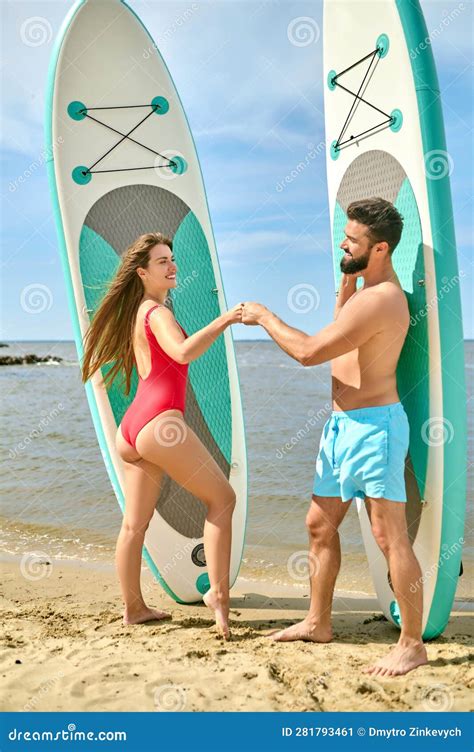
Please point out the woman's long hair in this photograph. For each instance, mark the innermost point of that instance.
(110, 334)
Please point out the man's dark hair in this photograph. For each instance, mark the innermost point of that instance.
(385, 223)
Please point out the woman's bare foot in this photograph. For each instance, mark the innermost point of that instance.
(144, 614)
(404, 657)
(220, 606)
(306, 630)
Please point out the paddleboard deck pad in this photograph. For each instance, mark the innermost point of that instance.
(385, 138)
(124, 163)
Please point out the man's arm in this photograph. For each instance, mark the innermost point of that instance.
(350, 330)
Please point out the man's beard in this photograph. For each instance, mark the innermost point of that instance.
(352, 265)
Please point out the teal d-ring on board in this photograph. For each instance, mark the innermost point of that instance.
(395, 613)
(334, 151)
(178, 165)
(397, 120)
(202, 583)
(330, 80)
(160, 105)
(382, 45)
(81, 175)
(77, 110)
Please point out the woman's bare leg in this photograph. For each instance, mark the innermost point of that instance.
(170, 443)
(142, 485)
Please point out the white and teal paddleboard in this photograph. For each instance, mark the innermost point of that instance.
(124, 163)
(385, 137)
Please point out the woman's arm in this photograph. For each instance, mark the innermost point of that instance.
(177, 346)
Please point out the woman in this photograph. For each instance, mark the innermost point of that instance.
(134, 326)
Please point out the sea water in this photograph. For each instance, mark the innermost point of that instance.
(57, 498)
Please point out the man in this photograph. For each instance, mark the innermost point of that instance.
(365, 441)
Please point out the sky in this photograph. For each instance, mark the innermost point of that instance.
(253, 94)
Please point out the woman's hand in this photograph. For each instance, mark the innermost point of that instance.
(234, 315)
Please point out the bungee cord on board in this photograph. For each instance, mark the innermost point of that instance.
(358, 98)
(154, 107)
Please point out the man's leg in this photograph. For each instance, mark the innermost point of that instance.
(323, 519)
(389, 528)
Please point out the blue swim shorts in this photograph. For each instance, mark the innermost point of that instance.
(362, 453)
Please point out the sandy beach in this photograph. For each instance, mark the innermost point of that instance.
(64, 647)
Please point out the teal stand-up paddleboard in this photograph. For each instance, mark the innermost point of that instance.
(124, 163)
(385, 137)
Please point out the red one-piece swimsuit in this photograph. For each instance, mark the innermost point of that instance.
(163, 389)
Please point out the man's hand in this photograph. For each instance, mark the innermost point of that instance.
(252, 313)
(347, 288)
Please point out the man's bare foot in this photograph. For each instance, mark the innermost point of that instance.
(220, 606)
(404, 657)
(145, 614)
(304, 630)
